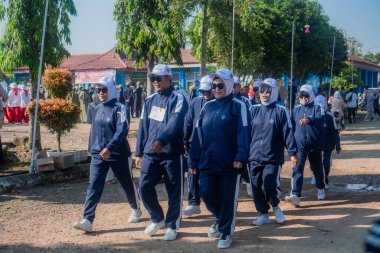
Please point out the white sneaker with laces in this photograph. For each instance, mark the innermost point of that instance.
(153, 228)
(213, 231)
(321, 194)
(135, 216)
(171, 234)
(263, 219)
(84, 225)
(191, 210)
(224, 241)
(280, 217)
(293, 200)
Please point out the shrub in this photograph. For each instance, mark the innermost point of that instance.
(58, 115)
(57, 81)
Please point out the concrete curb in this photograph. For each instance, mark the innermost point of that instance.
(28, 180)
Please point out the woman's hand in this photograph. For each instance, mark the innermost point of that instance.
(138, 162)
(193, 171)
(157, 147)
(238, 165)
(105, 153)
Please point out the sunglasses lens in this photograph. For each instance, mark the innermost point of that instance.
(220, 86)
(205, 92)
(156, 78)
(101, 90)
(265, 89)
(304, 95)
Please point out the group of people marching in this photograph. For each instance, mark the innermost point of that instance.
(224, 137)
(15, 108)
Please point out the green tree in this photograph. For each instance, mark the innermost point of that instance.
(374, 58)
(21, 41)
(354, 46)
(149, 31)
(348, 78)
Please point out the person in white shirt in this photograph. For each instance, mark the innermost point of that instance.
(14, 102)
(25, 99)
(352, 104)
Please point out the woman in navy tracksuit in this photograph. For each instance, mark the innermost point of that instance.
(307, 121)
(191, 120)
(331, 141)
(271, 130)
(219, 152)
(110, 149)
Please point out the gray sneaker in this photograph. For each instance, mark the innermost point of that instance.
(213, 231)
(225, 241)
(84, 225)
(293, 200)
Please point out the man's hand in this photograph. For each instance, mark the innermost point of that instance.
(193, 171)
(294, 159)
(105, 153)
(304, 122)
(138, 162)
(157, 147)
(238, 165)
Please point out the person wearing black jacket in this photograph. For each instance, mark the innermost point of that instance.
(129, 98)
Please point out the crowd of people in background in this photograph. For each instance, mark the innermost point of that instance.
(14, 109)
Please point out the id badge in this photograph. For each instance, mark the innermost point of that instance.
(157, 113)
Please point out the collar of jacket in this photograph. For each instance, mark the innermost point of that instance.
(166, 92)
(271, 105)
(225, 99)
(309, 104)
(110, 103)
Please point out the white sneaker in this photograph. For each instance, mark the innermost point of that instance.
(263, 219)
(171, 234)
(293, 200)
(191, 210)
(84, 225)
(224, 241)
(280, 217)
(135, 216)
(249, 189)
(213, 231)
(313, 181)
(321, 194)
(153, 228)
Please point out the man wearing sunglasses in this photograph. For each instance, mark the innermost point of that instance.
(256, 94)
(271, 131)
(236, 91)
(159, 151)
(191, 119)
(307, 120)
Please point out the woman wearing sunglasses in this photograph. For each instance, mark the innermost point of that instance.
(218, 152)
(271, 131)
(193, 197)
(307, 121)
(109, 149)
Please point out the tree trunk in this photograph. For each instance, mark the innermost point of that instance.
(59, 142)
(149, 86)
(33, 92)
(204, 36)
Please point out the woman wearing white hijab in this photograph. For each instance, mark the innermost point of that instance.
(110, 149)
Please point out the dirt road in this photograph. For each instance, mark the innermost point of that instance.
(40, 219)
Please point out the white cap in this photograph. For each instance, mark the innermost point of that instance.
(161, 70)
(226, 76)
(23, 86)
(236, 80)
(273, 84)
(13, 85)
(205, 83)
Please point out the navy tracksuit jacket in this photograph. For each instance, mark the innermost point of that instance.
(331, 141)
(191, 119)
(309, 144)
(162, 120)
(271, 131)
(110, 126)
(220, 138)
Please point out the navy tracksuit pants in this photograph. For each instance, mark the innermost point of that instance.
(315, 158)
(220, 194)
(193, 196)
(265, 181)
(151, 172)
(327, 163)
(98, 172)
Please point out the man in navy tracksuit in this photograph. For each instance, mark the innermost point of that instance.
(307, 120)
(271, 131)
(110, 149)
(219, 152)
(159, 151)
(191, 119)
(237, 94)
(331, 141)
